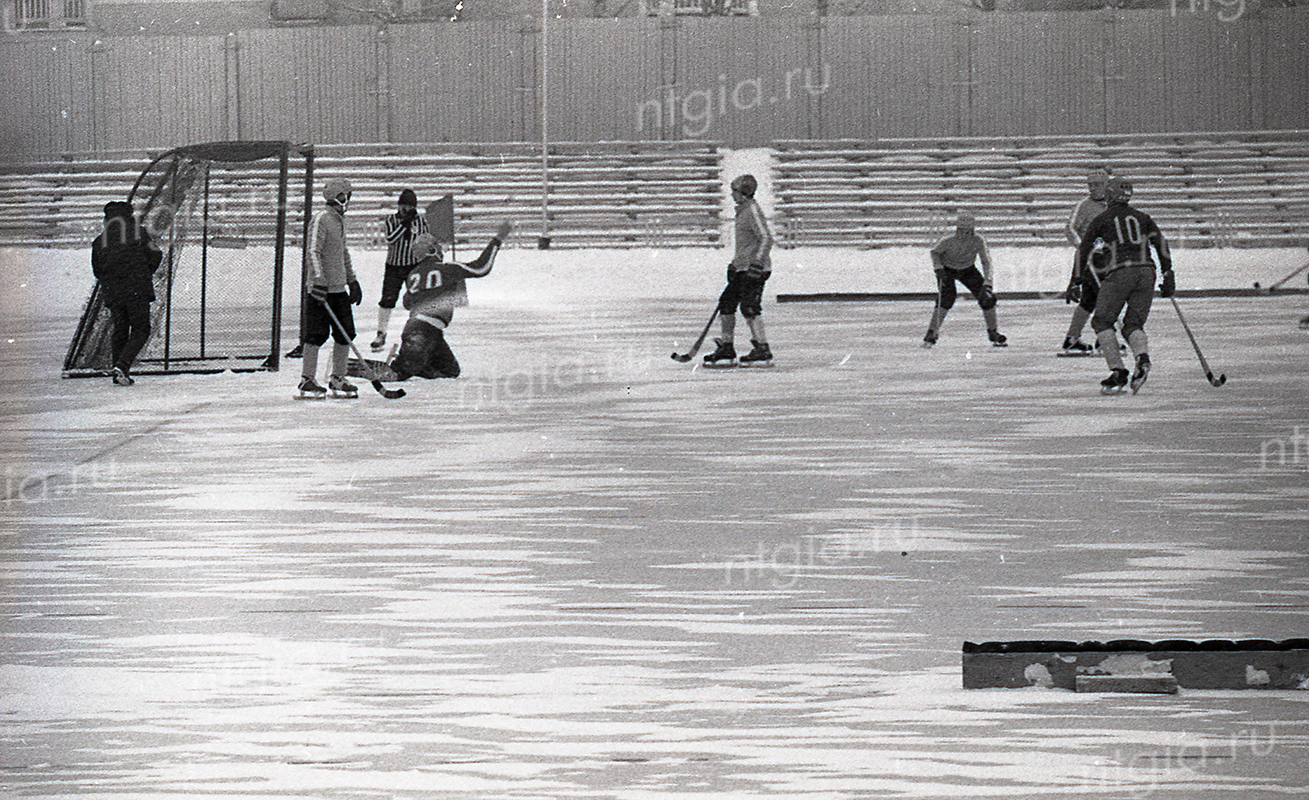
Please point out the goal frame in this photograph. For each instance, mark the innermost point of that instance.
(197, 358)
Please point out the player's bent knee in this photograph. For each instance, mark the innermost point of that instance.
(1100, 324)
(986, 300)
(1128, 331)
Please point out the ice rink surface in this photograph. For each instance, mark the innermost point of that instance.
(584, 570)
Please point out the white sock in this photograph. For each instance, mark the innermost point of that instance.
(309, 361)
(1139, 342)
(1109, 346)
(340, 359)
(383, 318)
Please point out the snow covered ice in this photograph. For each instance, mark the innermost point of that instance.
(585, 570)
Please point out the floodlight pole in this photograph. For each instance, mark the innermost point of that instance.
(544, 241)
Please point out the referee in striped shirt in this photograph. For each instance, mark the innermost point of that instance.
(401, 229)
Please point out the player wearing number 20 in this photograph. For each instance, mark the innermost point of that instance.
(432, 290)
(1117, 244)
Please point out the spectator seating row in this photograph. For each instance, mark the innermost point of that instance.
(1224, 189)
(612, 194)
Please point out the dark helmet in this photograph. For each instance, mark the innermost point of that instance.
(746, 185)
(118, 209)
(1118, 190)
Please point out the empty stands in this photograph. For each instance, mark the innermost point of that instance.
(1228, 189)
(618, 194)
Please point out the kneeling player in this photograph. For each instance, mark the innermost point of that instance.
(954, 259)
(432, 290)
(1124, 236)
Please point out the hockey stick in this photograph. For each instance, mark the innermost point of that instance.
(1208, 373)
(695, 348)
(1276, 286)
(389, 394)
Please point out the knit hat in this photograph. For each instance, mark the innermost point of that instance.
(117, 209)
(746, 185)
(408, 198)
(334, 187)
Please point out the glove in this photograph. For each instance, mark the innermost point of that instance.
(319, 293)
(1168, 285)
(755, 271)
(1073, 294)
(356, 294)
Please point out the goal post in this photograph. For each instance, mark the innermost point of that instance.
(219, 214)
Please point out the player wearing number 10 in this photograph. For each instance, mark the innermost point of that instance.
(1118, 243)
(432, 290)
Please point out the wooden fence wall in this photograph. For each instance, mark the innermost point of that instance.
(739, 81)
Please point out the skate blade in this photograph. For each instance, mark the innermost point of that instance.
(310, 397)
(720, 365)
(1111, 391)
(928, 345)
(344, 395)
(1073, 354)
(756, 364)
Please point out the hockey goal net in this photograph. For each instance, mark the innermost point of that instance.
(219, 214)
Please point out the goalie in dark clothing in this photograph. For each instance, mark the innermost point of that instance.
(432, 290)
(124, 260)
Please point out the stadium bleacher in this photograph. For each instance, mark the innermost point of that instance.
(1205, 190)
(609, 194)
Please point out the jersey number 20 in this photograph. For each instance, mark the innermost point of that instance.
(423, 282)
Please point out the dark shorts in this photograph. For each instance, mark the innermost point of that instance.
(424, 352)
(393, 280)
(318, 325)
(1130, 287)
(743, 291)
(971, 278)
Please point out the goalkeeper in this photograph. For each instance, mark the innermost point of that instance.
(432, 291)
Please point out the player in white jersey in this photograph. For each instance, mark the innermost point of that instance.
(1083, 287)
(750, 268)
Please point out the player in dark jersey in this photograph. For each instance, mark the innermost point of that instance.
(1121, 238)
(432, 290)
(955, 258)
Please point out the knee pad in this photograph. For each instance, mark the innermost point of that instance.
(986, 299)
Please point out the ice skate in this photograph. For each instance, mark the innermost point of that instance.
(929, 339)
(998, 339)
(310, 389)
(1116, 383)
(1074, 348)
(341, 388)
(724, 355)
(1141, 373)
(379, 341)
(121, 378)
(760, 355)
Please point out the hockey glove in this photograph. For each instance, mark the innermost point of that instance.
(319, 293)
(1168, 285)
(356, 294)
(1073, 294)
